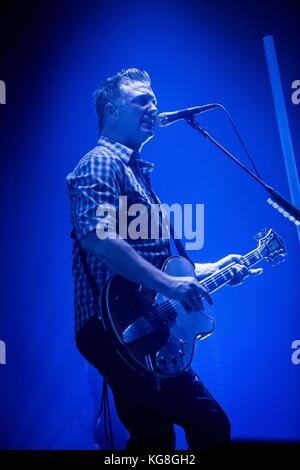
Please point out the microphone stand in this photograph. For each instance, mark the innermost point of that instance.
(286, 208)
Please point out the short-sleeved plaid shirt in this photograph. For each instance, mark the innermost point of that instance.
(108, 171)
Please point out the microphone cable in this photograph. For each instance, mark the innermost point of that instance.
(240, 139)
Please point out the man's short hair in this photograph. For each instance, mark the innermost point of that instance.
(111, 88)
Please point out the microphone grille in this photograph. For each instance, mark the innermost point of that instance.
(161, 119)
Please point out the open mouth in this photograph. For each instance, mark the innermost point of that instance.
(149, 122)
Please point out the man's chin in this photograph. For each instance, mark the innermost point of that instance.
(147, 131)
(147, 127)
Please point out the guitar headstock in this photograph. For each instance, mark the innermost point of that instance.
(271, 246)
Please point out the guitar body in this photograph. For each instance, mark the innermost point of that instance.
(156, 335)
(153, 334)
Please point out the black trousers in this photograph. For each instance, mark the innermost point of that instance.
(149, 409)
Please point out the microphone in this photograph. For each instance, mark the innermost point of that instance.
(164, 119)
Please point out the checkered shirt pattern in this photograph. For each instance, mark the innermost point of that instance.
(106, 172)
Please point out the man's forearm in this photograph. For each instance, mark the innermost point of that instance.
(119, 257)
(203, 270)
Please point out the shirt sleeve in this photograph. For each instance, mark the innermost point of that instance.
(94, 190)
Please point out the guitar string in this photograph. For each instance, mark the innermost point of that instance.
(167, 307)
(161, 311)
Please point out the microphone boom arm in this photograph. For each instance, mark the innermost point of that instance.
(285, 207)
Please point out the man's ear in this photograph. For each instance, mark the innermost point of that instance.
(111, 111)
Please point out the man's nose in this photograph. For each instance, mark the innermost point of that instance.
(152, 110)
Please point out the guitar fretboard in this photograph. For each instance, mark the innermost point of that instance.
(167, 309)
(225, 275)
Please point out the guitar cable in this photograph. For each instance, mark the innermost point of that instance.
(104, 404)
(105, 410)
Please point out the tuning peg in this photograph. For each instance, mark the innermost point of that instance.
(263, 232)
(279, 258)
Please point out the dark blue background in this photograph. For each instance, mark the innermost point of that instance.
(53, 56)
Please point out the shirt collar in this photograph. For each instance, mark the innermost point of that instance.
(121, 150)
(126, 154)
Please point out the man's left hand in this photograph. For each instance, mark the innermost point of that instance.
(241, 271)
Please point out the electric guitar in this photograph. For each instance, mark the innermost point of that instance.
(156, 335)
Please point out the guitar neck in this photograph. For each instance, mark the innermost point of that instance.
(219, 279)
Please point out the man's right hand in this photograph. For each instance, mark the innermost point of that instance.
(187, 290)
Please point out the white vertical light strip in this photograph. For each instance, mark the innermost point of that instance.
(282, 121)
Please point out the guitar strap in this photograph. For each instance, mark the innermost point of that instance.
(135, 165)
(179, 246)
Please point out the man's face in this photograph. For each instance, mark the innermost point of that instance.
(136, 113)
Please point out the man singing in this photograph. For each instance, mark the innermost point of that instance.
(126, 108)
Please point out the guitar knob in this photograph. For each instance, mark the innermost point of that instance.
(182, 343)
(173, 358)
(163, 360)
